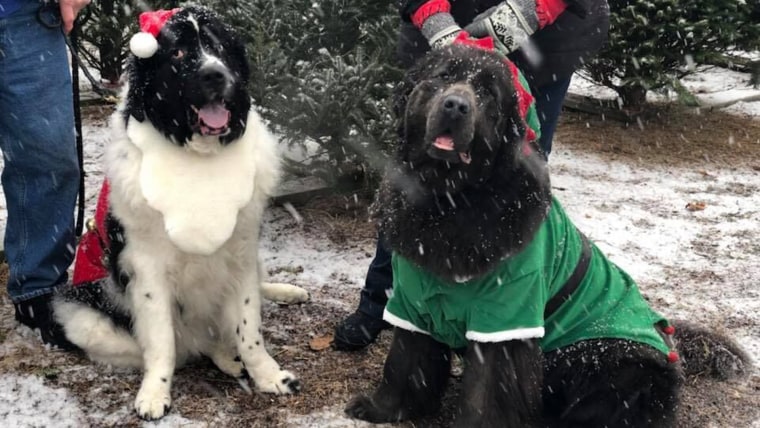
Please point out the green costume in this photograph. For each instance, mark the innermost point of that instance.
(508, 303)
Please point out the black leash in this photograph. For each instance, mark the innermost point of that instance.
(71, 42)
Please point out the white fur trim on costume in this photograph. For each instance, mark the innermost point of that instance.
(143, 45)
(402, 323)
(502, 336)
(199, 195)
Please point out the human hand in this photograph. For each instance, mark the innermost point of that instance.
(69, 11)
(506, 24)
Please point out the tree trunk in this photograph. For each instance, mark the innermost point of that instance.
(634, 96)
(109, 47)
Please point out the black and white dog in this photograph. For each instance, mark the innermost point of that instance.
(190, 168)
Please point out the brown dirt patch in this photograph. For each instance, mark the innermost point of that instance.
(668, 135)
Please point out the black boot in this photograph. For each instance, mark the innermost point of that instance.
(357, 331)
(37, 313)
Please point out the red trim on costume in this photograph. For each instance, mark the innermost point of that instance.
(524, 99)
(548, 11)
(429, 9)
(152, 22)
(463, 38)
(89, 265)
(527, 150)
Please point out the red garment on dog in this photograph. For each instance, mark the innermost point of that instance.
(90, 264)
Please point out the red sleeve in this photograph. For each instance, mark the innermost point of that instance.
(548, 11)
(429, 8)
(406, 8)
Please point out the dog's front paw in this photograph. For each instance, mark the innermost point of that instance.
(152, 403)
(282, 293)
(283, 382)
(365, 408)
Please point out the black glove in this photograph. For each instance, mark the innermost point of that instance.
(509, 24)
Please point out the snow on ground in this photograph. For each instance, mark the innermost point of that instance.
(637, 215)
(709, 84)
(634, 212)
(26, 401)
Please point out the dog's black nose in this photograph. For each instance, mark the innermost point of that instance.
(213, 78)
(456, 106)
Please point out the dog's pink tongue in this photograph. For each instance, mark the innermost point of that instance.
(214, 116)
(444, 142)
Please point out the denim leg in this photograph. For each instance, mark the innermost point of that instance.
(549, 100)
(40, 177)
(379, 280)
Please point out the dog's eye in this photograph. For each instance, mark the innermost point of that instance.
(178, 54)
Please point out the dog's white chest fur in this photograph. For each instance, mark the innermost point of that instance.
(199, 195)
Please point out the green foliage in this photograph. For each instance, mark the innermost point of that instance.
(323, 73)
(107, 26)
(654, 42)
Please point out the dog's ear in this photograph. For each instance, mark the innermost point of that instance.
(135, 105)
(236, 48)
(401, 95)
(512, 125)
(404, 89)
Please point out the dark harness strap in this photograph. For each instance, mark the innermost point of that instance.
(573, 281)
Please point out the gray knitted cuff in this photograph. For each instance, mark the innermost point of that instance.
(526, 9)
(440, 29)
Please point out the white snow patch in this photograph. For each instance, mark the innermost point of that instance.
(25, 401)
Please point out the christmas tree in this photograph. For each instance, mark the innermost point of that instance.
(323, 73)
(653, 43)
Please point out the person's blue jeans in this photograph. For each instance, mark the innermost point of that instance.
(40, 176)
(379, 278)
(378, 283)
(549, 99)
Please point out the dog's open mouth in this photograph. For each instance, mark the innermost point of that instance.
(443, 149)
(213, 119)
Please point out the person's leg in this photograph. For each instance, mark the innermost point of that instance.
(549, 99)
(378, 283)
(362, 327)
(40, 177)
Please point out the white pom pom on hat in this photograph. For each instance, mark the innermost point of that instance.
(143, 45)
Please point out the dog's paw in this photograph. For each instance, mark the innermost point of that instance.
(282, 293)
(364, 408)
(152, 403)
(283, 382)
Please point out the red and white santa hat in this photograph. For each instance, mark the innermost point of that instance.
(144, 43)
